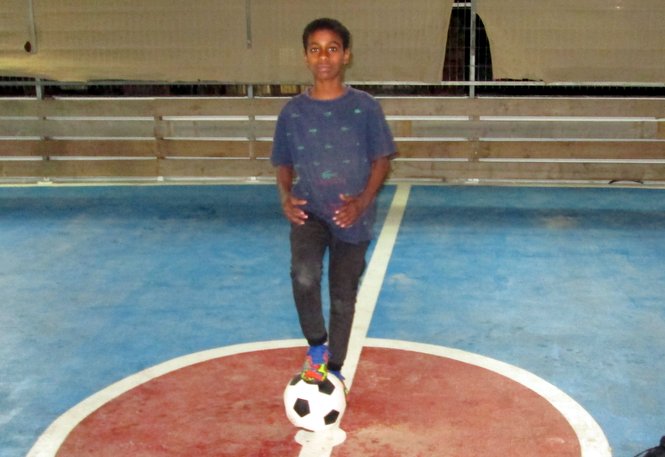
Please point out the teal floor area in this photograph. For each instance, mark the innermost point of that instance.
(97, 283)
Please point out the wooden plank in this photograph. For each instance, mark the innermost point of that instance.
(531, 106)
(150, 107)
(525, 129)
(79, 169)
(77, 128)
(268, 106)
(617, 150)
(203, 129)
(552, 150)
(578, 129)
(215, 128)
(22, 169)
(435, 149)
(571, 171)
(216, 168)
(80, 107)
(92, 148)
(262, 149)
(204, 148)
(124, 148)
(263, 129)
(455, 171)
(427, 106)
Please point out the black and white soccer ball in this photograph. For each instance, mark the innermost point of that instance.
(315, 407)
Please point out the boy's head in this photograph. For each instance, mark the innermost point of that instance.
(327, 24)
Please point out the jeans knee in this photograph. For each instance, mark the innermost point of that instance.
(305, 278)
(344, 308)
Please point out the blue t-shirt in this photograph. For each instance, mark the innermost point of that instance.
(331, 145)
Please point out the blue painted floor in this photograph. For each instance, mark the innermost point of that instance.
(97, 283)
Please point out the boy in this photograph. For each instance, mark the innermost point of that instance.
(336, 141)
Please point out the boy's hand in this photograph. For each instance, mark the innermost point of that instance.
(352, 208)
(292, 209)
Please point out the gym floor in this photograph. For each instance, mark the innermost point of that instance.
(158, 321)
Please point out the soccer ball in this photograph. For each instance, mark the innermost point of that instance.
(315, 407)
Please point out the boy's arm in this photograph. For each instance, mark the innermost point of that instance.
(354, 206)
(290, 204)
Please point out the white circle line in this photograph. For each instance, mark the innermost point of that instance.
(593, 442)
(50, 441)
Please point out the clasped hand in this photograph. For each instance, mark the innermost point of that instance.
(350, 211)
(345, 216)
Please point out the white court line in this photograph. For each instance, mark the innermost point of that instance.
(373, 280)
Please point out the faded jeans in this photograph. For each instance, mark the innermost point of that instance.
(346, 264)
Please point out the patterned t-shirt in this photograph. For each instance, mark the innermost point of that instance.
(331, 145)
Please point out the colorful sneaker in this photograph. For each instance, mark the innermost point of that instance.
(315, 368)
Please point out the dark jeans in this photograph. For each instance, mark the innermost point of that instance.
(346, 264)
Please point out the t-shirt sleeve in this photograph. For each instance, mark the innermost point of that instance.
(280, 146)
(380, 138)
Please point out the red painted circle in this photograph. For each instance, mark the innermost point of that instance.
(402, 404)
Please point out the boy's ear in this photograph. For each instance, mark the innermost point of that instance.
(347, 56)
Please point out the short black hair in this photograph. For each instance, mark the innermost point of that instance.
(325, 23)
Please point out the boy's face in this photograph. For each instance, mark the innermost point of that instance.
(325, 55)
